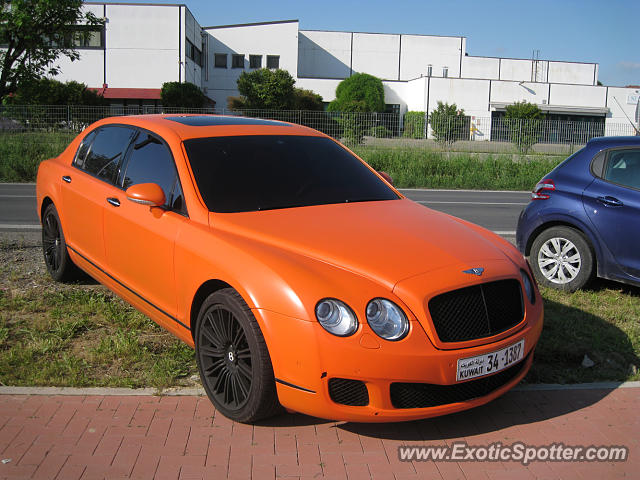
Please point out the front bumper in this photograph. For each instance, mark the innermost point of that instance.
(305, 358)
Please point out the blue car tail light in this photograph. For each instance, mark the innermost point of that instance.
(542, 189)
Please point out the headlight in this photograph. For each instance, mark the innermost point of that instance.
(336, 317)
(528, 286)
(387, 319)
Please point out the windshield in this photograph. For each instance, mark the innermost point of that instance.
(265, 172)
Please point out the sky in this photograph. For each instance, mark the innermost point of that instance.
(606, 32)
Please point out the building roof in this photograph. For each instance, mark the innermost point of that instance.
(134, 93)
(274, 22)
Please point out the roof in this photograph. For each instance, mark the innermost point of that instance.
(186, 126)
(274, 22)
(133, 93)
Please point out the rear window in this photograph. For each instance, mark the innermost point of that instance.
(266, 172)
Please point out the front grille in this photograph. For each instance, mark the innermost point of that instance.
(478, 311)
(348, 392)
(423, 395)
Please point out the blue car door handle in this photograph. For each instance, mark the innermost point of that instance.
(610, 201)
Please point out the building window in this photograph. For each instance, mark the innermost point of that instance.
(445, 72)
(255, 61)
(193, 53)
(237, 61)
(82, 36)
(220, 60)
(273, 61)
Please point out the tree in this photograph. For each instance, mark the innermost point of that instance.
(46, 91)
(448, 123)
(266, 89)
(181, 95)
(307, 100)
(361, 88)
(34, 33)
(523, 119)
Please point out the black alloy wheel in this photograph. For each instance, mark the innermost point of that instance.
(233, 360)
(56, 257)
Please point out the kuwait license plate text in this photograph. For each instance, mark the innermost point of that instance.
(490, 362)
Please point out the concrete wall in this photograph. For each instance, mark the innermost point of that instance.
(258, 39)
(324, 54)
(192, 72)
(420, 51)
(577, 73)
(143, 45)
(376, 54)
(481, 67)
(583, 95)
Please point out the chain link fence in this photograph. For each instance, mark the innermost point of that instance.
(463, 133)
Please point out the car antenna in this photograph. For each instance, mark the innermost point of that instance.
(625, 114)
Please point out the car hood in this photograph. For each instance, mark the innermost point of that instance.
(386, 241)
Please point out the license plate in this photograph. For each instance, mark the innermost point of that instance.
(488, 363)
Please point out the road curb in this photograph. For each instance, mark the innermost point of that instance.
(199, 391)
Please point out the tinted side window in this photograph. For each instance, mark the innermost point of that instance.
(623, 167)
(84, 149)
(150, 161)
(597, 164)
(107, 151)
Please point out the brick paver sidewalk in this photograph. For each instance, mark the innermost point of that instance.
(182, 437)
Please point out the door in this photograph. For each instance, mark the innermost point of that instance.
(87, 186)
(612, 203)
(139, 240)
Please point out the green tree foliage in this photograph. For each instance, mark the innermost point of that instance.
(524, 122)
(46, 91)
(307, 100)
(34, 33)
(449, 124)
(181, 95)
(413, 125)
(362, 92)
(267, 89)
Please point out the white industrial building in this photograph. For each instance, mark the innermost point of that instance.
(141, 46)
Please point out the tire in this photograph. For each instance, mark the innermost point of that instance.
(561, 258)
(233, 360)
(54, 247)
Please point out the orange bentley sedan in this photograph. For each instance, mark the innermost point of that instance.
(301, 277)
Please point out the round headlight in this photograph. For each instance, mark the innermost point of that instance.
(528, 286)
(387, 319)
(336, 317)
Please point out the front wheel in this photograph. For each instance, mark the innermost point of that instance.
(233, 360)
(561, 258)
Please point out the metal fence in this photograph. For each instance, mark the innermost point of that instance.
(464, 133)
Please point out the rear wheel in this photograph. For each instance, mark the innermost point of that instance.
(56, 257)
(561, 258)
(233, 360)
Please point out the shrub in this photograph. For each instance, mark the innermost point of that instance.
(307, 100)
(523, 119)
(414, 125)
(187, 95)
(364, 89)
(449, 124)
(380, 131)
(266, 89)
(46, 91)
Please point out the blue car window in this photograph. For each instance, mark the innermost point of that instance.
(623, 168)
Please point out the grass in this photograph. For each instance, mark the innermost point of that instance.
(85, 336)
(413, 168)
(21, 153)
(601, 322)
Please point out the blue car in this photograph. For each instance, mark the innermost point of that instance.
(584, 217)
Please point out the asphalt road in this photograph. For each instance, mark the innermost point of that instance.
(497, 211)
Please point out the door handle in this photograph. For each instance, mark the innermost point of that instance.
(610, 201)
(66, 178)
(113, 201)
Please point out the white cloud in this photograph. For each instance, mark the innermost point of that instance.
(629, 65)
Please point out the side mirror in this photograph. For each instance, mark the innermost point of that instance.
(386, 176)
(146, 194)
